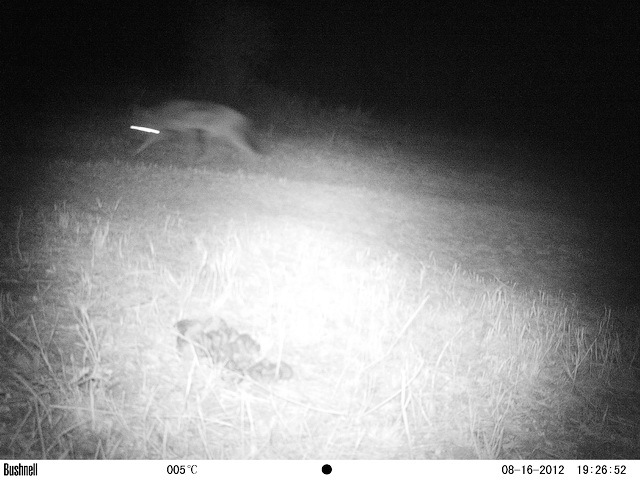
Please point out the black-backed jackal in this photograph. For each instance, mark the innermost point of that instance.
(201, 124)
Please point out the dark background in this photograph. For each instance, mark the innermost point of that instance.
(563, 75)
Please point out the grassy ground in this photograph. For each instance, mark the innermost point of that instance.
(429, 307)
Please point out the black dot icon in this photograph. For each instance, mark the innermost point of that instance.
(326, 469)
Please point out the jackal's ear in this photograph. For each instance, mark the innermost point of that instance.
(137, 112)
(134, 98)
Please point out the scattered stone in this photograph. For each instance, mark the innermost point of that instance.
(213, 340)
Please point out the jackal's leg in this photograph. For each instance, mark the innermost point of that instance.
(151, 139)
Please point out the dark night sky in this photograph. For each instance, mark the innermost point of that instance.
(563, 69)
